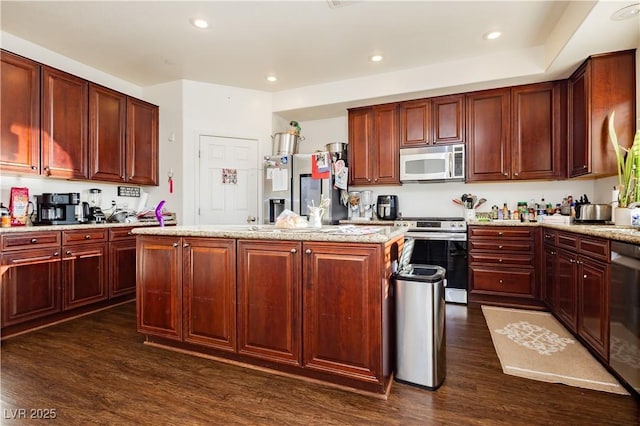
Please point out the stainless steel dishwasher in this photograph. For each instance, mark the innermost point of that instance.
(624, 313)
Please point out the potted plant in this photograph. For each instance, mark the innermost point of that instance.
(628, 167)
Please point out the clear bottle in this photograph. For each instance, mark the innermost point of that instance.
(505, 212)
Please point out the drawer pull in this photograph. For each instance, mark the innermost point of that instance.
(499, 260)
(308, 251)
(87, 237)
(129, 233)
(56, 254)
(500, 281)
(294, 251)
(500, 233)
(500, 247)
(584, 276)
(34, 240)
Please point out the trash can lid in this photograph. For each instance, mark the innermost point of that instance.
(421, 272)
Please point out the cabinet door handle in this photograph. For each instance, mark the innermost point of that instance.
(572, 261)
(87, 237)
(34, 167)
(308, 251)
(500, 247)
(584, 276)
(129, 233)
(553, 253)
(185, 245)
(516, 174)
(500, 281)
(68, 253)
(506, 174)
(175, 244)
(500, 233)
(294, 251)
(499, 260)
(56, 254)
(34, 241)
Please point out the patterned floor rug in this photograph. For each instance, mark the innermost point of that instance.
(535, 345)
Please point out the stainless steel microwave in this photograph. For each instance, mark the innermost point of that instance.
(437, 163)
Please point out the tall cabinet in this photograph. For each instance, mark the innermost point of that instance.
(601, 85)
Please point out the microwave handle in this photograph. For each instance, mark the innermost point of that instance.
(450, 164)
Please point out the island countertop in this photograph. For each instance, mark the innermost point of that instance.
(333, 233)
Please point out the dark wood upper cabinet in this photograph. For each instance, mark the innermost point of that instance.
(602, 84)
(19, 114)
(142, 142)
(538, 142)
(64, 127)
(447, 119)
(373, 145)
(415, 123)
(432, 121)
(107, 129)
(488, 135)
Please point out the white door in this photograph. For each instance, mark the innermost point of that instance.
(228, 184)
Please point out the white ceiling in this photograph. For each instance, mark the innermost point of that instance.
(303, 42)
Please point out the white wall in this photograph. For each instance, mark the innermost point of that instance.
(219, 111)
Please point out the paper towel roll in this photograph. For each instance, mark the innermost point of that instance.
(143, 201)
(614, 198)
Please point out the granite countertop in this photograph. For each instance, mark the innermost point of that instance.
(78, 226)
(331, 233)
(627, 234)
(372, 222)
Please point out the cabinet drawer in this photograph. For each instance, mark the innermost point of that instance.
(549, 236)
(567, 240)
(491, 280)
(118, 234)
(500, 232)
(595, 247)
(502, 259)
(499, 246)
(30, 257)
(84, 236)
(25, 240)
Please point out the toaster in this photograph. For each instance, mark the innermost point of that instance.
(593, 213)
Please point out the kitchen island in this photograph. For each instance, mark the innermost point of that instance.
(313, 303)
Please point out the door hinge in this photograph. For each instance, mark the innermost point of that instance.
(198, 211)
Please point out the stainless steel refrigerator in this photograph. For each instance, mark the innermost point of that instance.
(306, 190)
(277, 185)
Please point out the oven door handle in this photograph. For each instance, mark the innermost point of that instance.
(441, 236)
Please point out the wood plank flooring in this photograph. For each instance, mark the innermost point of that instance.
(95, 370)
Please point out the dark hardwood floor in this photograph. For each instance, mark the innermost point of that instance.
(95, 370)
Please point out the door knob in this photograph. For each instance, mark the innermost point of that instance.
(294, 251)
(251, 219)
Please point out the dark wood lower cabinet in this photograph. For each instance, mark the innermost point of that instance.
(122, 268)
(269, 300)
(30, 285)
(593, 305)
(566, 307)
(159, 286)
(209, 292)
(84, 275)
(342, 310)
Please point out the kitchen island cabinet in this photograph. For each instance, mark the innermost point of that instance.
(314, 304)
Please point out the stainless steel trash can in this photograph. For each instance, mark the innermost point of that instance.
(420, 325)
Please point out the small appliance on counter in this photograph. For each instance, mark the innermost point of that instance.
(387, 207)
(92, 211)
(57, 208)
(593, 213)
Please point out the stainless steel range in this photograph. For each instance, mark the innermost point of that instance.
(440, 241)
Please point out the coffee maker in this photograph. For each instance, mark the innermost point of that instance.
(57, 208)
(92, 211)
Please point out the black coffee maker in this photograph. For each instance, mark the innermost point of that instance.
(57, 208)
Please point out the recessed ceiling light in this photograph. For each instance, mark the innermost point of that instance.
(272, 78)
(627, 12)
(492, 35)
(203, 24)
(375, 58)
